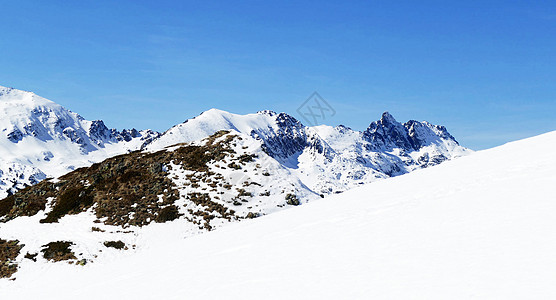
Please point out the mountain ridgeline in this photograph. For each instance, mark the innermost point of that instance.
(41, 139)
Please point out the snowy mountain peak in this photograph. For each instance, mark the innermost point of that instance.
(26, 116)
(425, 133)
(14, 102)
(387, 134)
(213, 112)
(387, 118)
(38, 137)
(11, 91)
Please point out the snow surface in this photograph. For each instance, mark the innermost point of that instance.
(478, 227)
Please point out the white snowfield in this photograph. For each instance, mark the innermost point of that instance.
(478, 227)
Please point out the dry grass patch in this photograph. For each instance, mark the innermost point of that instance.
(115, 244)
(58, 251)
(9, 250)
(123, 190)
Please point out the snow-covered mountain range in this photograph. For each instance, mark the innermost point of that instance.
(329, 159)
(212, 170)
(40, 139)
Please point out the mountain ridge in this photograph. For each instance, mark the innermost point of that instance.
(43, 139)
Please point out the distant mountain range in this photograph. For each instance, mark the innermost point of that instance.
(40, 139)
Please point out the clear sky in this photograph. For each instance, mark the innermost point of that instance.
(485, 69)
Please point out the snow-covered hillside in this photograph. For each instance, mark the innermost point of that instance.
(191, 188)
(478, 227)
(39, 139)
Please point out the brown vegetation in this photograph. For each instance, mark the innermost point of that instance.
(9, 250)
(129, 189)
(58, 251)
(27, 202)
(115, 244)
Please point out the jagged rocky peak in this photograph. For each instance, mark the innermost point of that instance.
(128, 135)
(387, 134)
(387, 118)
(288, 137)
(99, 132)
(285, 120)
(424, 133)
(439, 130)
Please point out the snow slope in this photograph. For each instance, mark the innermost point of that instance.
(478, 227)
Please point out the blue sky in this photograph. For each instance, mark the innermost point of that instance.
(485, 69)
